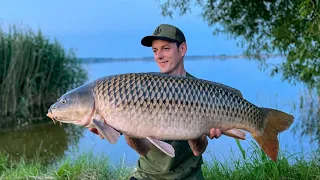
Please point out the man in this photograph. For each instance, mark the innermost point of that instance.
(169, 47)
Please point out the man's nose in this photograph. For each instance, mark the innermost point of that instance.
(159, 55)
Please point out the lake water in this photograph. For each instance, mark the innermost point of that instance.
(256, 86)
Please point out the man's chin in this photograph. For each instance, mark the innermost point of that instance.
(164, 69)
(163, 64)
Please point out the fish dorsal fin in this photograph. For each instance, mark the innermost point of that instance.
(108, 132)
(163, 146)
(223, 86)
(233, 90)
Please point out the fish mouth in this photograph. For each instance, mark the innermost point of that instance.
(82, 122)
(54, 119)
(50, 115)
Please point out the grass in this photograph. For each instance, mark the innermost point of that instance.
(34, 72)
(89, 166)
(86, 166)
(259, 166)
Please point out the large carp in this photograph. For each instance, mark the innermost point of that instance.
(158, 107)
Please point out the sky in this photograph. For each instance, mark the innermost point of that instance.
(111, 28)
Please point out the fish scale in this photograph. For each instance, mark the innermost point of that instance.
(182, 105)
(167, 107)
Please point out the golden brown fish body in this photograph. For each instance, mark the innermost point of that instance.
(168, 107)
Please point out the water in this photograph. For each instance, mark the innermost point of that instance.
(256, 86)
(45, 141)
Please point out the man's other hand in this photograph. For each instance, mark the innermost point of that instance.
(198, 146)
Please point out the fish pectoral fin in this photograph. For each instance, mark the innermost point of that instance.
(163, 146)
(108, 132)
(236, 133)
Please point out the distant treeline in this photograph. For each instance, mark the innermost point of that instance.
(150, 58)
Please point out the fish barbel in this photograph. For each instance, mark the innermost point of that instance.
(159, 107)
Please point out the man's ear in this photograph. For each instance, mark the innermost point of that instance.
(183, 49)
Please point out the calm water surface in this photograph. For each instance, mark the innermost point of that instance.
(256, 86)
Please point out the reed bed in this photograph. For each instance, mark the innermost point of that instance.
(34, 71)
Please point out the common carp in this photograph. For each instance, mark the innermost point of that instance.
(159, 107)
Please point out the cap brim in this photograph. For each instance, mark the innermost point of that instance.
(147, 40)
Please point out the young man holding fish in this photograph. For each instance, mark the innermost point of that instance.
(169, 48)
(134, 104)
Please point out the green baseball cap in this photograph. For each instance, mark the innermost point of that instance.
(164, 32)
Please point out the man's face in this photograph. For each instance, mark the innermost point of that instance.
(168, 56)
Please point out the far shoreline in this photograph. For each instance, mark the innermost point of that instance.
(150, 58)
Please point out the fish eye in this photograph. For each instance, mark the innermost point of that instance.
(63, 101)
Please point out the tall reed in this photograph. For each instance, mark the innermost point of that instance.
(33, 72)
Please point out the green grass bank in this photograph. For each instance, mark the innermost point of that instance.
(252, 165)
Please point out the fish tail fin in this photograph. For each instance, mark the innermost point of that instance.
(276, 122)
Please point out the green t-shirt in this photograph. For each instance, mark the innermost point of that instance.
(158, 165)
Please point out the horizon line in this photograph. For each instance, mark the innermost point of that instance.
(194, 57)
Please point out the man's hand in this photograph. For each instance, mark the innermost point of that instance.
(198, 146)
(214, 133)
(141, 146)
